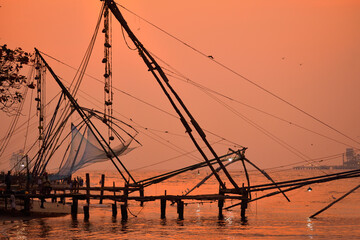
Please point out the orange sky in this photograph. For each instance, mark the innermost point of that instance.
(306, 52)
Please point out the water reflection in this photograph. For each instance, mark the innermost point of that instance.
(244, 221)
(221, 223)
(124, 227)
(74, 223)
(87, 226)
(310, 225)
(163, 222)
(180, 222)
(265, 222)
(44, 228)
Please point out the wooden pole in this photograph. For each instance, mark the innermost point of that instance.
(74, 208)
(180, 209)
(86, 212)
(114, 190)
(114, 210)
(87, 188)
(102, 188)
(337, 200)
(126, 194)
(123, 207)
(221, 205)
(163, 208)
(124, 214)
(141, 195)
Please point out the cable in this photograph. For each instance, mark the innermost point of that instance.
(241, 76)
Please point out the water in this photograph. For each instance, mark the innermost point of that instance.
(270, 218)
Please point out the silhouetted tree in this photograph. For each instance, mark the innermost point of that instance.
(11, 80)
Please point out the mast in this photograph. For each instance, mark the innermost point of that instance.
(40, 97)
(107, 60)
(173, 97)
(103, 143)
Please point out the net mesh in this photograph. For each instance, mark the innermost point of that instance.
(85, 151)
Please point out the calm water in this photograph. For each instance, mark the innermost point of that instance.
(270, 218)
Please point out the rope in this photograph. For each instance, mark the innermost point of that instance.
(13, 124)
(123, 34)
(28, 123)
(137, 213)
(241, 76)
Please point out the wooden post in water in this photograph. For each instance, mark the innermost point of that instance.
(163, 208)
(74, 208)
(114, 206)
(124, 214)
(114, 210)
(102, 188)
(180, 209)
(88, 188)
(221, 205)
(86, 212)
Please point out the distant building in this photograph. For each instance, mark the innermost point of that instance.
(17, 161)
(352, 159)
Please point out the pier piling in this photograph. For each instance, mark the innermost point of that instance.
(163, 208)
(87, 188)
(221, 205)
(124, 214)
(86, 212)
(244, 203)
(114, 209)
(102, 188)
(74, 208)
(180, 209)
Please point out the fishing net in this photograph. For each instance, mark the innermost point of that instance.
(85, 151)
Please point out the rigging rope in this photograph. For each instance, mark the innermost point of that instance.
(59, 125)
(142, 101)
(178, 75)
(241, 76)
(203, 88)
(12, 127)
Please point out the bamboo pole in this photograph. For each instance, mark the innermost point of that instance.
(337, 200)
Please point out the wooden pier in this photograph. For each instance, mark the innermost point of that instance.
(118, 195)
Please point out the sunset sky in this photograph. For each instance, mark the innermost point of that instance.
(305, 52)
